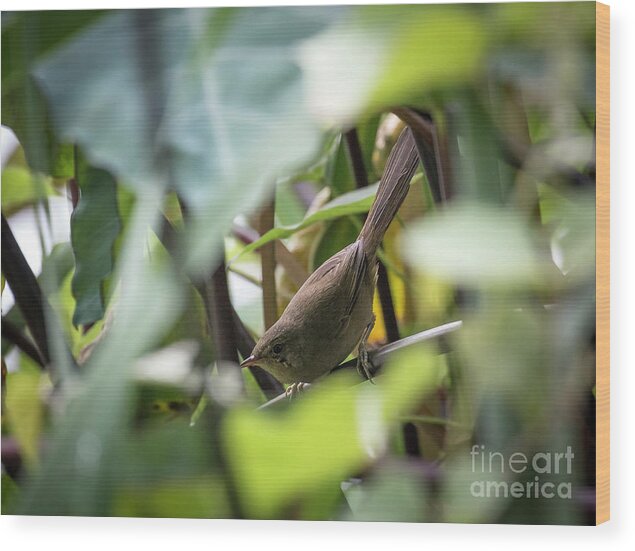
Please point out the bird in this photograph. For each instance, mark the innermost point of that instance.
(331, 314)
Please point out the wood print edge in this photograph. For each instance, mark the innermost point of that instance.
(602, 269)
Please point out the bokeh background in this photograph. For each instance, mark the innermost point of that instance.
(169, 179)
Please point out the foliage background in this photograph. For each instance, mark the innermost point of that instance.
(199, 118)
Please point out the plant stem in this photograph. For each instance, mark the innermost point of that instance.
(270, 386)
(15, 336)
(429, 148)
(268, 265)
(25, 289)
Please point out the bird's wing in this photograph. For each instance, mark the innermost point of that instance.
(355, 264)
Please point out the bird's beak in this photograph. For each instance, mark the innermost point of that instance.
(249, 361)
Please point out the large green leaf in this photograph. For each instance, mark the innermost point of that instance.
(95, 225)
(226, 114)
(327, 436)
(77, 471)
(385, 55)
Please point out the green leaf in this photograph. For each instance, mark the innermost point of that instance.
(77, 473)
(223, 80)
(353, 202)
(386, 55)
(476, 154)
(471, 244)
(331, 433)
(95, 225)
(21, 188)
(395, 493)
(27, 38)
(338, 234)
(10, 494)
(24, 409)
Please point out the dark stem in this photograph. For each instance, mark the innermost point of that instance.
(25, 289)
(270, 386)
(16, 337)
(383, 286)
(387, 305)
(430, 150)
(268, 265)
(220, 316)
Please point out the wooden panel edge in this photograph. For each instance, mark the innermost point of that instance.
(602, 259)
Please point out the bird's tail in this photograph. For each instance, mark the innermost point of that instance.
(393, 188)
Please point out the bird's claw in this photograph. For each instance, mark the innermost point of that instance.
(364, 367)
(294, 389)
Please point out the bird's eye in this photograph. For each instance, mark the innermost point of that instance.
(277, 348)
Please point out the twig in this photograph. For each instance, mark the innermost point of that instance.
(383, 286)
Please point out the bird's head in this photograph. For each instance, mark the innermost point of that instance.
(278, 352)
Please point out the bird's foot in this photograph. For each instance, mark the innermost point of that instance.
(364, 366)
(294, 389)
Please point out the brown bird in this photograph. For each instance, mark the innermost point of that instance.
(332, 312)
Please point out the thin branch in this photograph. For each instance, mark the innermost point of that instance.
(16, 337)
(383, 286)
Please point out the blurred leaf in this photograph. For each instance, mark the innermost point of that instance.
(353, 202)
(27, 38)
(394, 493)
(475, 245)
(95, 225)
(24, 408)
(480, 173)
(202, 497)
(222, 82)
(10, 494)
(505, 351)
(21, 188)
(372, 59)
(82, 458)
(289, 207)
(325, 437)
(573, 240)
